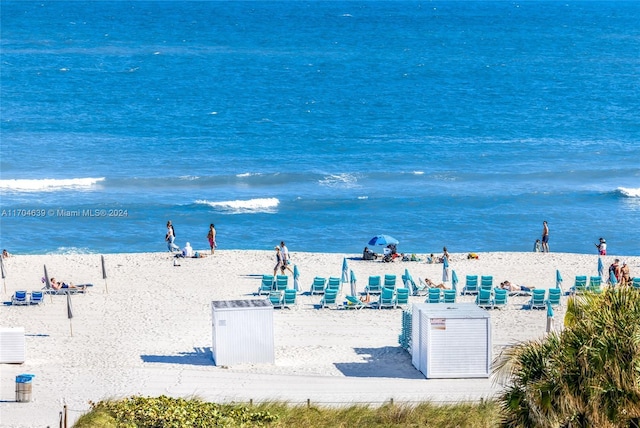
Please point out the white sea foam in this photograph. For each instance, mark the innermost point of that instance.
(630, 192)
(247, 174)
(48, 184)
(418, 172)
(339, 180)
(258, 205)
(189, 177)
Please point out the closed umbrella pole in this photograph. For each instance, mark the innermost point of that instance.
(345, 271)
(4, 275)
(48, 283)
(69, 312)
(296, 278)
(104, 275)
(445, 270)
(353, 284)
(454, 281)
(600, 267)
(558, 279)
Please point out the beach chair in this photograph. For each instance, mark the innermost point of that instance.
(483, 299)
(330, 298)
(595, 284)
(282, 282)
(20, 297)
(471, 285)
(266, 285)
(402, 297)
(318, 285)
(390, 281)
(580, 284)
(275, 297)
(374, 286)
(387, 298)
(289, 298)
(416, 289)
(353, 303)
(635, 283)
(500, 298)
(449, 296)
(334, 284)
(37, 297)
(433, 296)
(486, 282)
(554, 297)
(537, 300)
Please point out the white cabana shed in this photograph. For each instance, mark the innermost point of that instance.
(242, 332)
(12, 345)
(451, 340)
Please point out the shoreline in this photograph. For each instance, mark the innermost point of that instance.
(147, 330)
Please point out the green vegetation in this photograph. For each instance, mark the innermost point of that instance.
(163, 411)
(584, 376)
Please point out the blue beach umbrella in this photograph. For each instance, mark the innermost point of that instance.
(296, 278)
(445, 270)
(454, 280)
(383, 240)
(558, 279)
(345, 270)
(612, 279)
(353, 284)
(600, 267)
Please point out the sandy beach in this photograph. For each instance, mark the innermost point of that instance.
(147, 329)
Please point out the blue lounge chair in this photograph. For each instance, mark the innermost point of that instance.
(500, 298)
(537, 300)
(390, 281)
(275, 297)
(471, 285)
(289, 298)
(387, 298)
(433, 296)
(330, 298)
(20, 297)
(580, 284)
(483, 299)
(595, 284)
(318, 285)
(635, 283)
(333, 283)
(374, 286)
(354, 303)
(554, 297)
(402, 297)
(416, 289)
(37, 297)
(282, 282)
(486, 282)
(449, 296)
(266, 285)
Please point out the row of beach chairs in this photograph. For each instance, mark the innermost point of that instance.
(22, 297)
(594, 284)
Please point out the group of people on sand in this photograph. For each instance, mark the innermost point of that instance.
(620, 272)
(187, 251)
(283, 260)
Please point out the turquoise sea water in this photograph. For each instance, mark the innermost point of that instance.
(463, 124)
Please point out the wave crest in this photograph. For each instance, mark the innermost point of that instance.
(629, 192)
(48, 184)
(250, 206)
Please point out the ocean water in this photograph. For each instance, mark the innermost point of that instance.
(463, 123)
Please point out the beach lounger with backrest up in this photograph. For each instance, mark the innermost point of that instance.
(374, 286)
(471, 285)
(354, 303)
(20, 297)
(275, 297)
(389, 281)
(266, 285)
(387, 298)
(334, 283)
(580, 284)
(449, 296)
(402, 297)
(434, 296)
(80, 288)
(318, 285)
(37, 297)
(635, 283)
(554, 297)
(595, 284)
(483, 299)
(486, 282)
(537, 299)
(289, 298)
(330, 298)
(500, 298)
(282, 282)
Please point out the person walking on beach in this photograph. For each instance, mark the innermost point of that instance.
(286, 258)
(278, 261)
(602, 247)
(170, 237)
(211, 236)
(545, 237)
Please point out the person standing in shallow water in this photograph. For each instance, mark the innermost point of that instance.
(545, 237)
(170, 237)
(211, 236)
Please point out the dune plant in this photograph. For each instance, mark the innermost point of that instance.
(585, 376)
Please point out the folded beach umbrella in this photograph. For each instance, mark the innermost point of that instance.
(558, 279)
(612, 279)
(353, 284)
(445, 270)
(4, 275)
(296, 278)
(454, 280)
(600, 267)
(345, 271)
(383, 240)
(69, 311)
(549, 317)
(104, 275)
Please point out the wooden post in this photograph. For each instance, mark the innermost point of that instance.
(65, 416)
(391, 401)
(308, 403)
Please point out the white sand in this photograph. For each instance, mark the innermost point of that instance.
(151, 333)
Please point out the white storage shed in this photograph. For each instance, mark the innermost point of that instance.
(12, 345)
(451, 340)
(242, 332)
